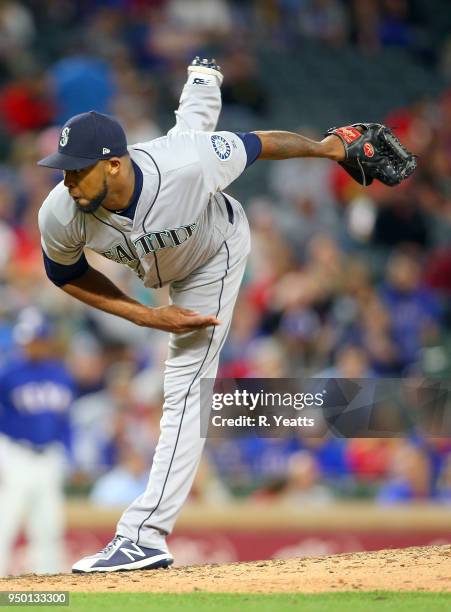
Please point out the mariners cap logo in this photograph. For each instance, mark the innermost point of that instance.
(221, 147)
(64, 138)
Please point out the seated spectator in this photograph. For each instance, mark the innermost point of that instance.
(351, 361)
(267, 358)
(305, 203)
(395, 27)
(211, 16)
(243, 89)
(138, 125)
(81, 83)
(124, 483)
(251, 463)
(413, 309)
(365, 14)
(226, 458)
(401, 221)
(370, 459)
(105, 420)
(303, 487)
(325, 20)
(376, 333)
(208, 487)
(25, 103)
(409, 476)
(330, 456)
(17, 29)
(244, 329)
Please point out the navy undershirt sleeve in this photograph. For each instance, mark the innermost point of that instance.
(252, 144)
(60, 274)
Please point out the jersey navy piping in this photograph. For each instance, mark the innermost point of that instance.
(120, 231)
(129, 212)
(150, 208)
(186, 398)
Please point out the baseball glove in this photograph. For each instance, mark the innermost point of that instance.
(374, 152)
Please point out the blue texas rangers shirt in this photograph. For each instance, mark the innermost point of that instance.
(34, 402)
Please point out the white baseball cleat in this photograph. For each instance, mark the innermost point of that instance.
(121, 554)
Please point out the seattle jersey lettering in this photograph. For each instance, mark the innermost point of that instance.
(119, 254)
(155, 241)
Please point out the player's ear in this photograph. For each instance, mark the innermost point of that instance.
(114, 165)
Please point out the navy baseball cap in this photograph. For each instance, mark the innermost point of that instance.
(85, 139)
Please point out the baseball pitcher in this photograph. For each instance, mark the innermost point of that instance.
(159, 207)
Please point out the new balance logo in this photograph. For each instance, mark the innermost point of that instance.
(132, 553)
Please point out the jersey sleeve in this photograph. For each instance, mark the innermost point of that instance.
(222, 156)
(253, 146)
(200, 104)
(62, 248)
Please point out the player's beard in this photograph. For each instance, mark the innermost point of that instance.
(96, 202)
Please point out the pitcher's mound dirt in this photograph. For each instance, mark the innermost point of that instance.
(411, 569)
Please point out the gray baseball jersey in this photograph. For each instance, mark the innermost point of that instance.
(178, 217)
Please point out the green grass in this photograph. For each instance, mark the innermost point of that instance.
(219, 602)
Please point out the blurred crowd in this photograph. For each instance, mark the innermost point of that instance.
(342, 281)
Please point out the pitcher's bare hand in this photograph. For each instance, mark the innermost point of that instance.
(176, 320)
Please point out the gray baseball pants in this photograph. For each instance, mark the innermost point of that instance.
(211, 289)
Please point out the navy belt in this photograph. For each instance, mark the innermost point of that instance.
(229, 209)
